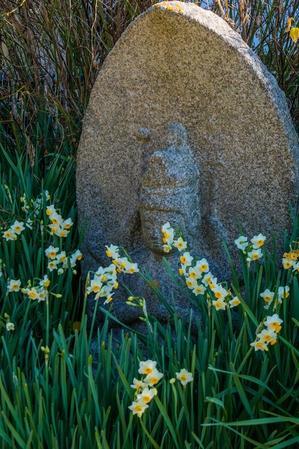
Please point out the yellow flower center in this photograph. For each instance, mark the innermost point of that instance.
(276, 327)
(32, 294)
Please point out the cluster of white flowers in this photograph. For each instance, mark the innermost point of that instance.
(122, 264)
(252, 250)
(58, 260)
(267, 336)
(268, 295)
(38, 292)
(169, 241)
(105, 278)
(145, 388)
(14, 231)
(32, 209)
(58, 225)
(197, 273)
(35, 206)
(290, 260)
(103, 283)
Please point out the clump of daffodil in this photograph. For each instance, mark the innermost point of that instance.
(122, 264)
(105, 279)
(58, 260)
(196, 272)
(145, 388)
(14, 231)
(268, 335)
(290, 260)
(58, 226)
(268, 296)
(251, 249)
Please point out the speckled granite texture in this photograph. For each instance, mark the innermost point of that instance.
(183, 64)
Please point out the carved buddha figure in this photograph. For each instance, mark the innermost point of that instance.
(170, 191)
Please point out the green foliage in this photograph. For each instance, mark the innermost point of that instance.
(77, 395)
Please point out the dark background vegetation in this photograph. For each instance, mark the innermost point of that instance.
(52, 50)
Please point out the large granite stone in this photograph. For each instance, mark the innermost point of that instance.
(230, 164)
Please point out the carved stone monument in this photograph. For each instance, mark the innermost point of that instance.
(185, 125)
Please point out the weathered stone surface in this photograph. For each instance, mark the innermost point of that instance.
(180, 63)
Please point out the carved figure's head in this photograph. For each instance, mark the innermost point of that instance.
(170, 191)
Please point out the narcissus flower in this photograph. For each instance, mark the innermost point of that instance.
(219, 304)
(180, 244)
(220, 292)
(146, 395)
(287, 263)
(254, 255)
(268, 336)
(138, 384)
(147, 367)
(56, 218)
(9, 235)
(167, 234)
(51, 252)
(258, 241)
(259, 345)
(274, 323)
(45, 282)
(184, 376)
(32, 293)
(138, 408)
(234, 302)
(50, 210)
(202, 265)
(241, 242)
(283, 293)
(67, 224)
(199, 290)
(52, 265)
(153, 378)
(18, 227)
(14, 286)
(112, 251)
(186, 259)
(191, 283)
(267, 296)
(194, 273)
